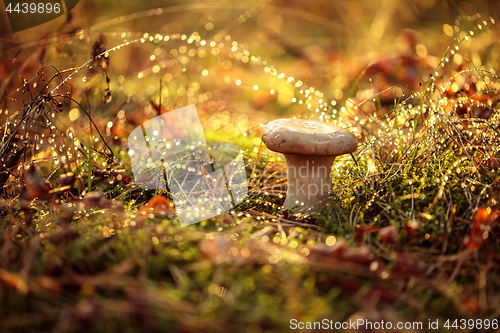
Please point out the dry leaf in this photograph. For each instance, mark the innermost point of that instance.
(35, 185)
(389, 235)
(361, 231)
(68, 179)
(48, 284)
(96, 199)
(482, 223)
(406, 264)
(158, 204)
(13, 281)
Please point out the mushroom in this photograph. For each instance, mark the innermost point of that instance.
(309, 147)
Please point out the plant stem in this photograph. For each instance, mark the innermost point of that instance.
(397, 128)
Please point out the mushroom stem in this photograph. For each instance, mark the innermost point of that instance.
(309, 180)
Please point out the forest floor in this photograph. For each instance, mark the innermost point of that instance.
(409, 235)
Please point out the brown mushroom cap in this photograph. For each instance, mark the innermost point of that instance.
(308, 137)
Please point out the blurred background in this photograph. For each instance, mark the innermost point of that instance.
(242, 63)
(323, 44)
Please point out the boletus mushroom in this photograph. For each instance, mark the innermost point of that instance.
(309, 147)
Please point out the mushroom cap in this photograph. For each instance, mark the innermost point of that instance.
(308, 137)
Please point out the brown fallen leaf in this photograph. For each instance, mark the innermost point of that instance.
(335, 251)
(482, 223)
(13, 281)
(360, 255)
(35, 185)
(157, 205)
(472, 305)
(412, 227)
(389, 235)
(408, 265)
(96, 199)
(68, 179)
(47, 283)
(362, 230)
